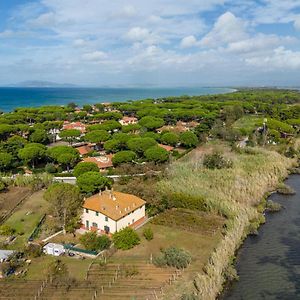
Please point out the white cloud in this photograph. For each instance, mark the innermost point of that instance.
(258, 43)
(80, 43)
(297, 23)
(274, 11)
(162, 37)
(228, 28)
(6, 34)
(188, 42)
(128, 11)
(138, 34)
(280, 58)
(94, 56)
(43, 20)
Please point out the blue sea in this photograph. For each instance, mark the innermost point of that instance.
(11, 98)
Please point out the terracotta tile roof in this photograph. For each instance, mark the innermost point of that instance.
(113, 204)
(166, 147)
(129, 119)
(74, 125)
(84, 149)
(103, 162)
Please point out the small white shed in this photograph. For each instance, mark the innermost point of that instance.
(54, 249)
(5, 254)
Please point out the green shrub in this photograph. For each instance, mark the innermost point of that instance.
(6, 230)
(33, 250)
(84, 167)
(50, 168)
(188, 139)
(291, 152)
(148, 234)
(284, 189)
(92, 241)
(157, 154)
(2, 185)
(273, 206)
(160, 261)
(181, 200)
(123, 157)
(173, 257)
(125, 239)
(216, 161)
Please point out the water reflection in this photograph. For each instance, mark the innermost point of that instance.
(269, 264)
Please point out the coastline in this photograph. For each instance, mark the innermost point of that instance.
(240, 194)
(15, 97)
(215, 279)
(255, 261)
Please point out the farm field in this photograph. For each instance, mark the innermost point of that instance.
(26, 217)
(11, 198)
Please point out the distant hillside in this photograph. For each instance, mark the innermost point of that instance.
(44, 84)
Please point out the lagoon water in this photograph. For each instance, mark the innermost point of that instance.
(269, 264)
(11, 98)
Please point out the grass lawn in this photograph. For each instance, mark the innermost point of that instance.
(77, 267)
(26, 217)
(248, 123)
(200, 243)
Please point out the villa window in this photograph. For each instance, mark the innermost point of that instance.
(95, 225)
(106, 219)
(86, 210)
(97, 214)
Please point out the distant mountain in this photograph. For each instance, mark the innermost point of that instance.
(41, 84)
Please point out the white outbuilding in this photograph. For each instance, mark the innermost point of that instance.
(5, 255)
(54, 249)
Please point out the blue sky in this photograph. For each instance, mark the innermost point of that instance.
(157, 42)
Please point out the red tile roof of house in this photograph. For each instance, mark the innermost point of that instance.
(129, 119)
(115, 205)
(83, 150)
(103, 162)
(74, 125)
(166, 147)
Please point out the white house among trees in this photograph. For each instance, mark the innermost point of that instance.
(110, 211)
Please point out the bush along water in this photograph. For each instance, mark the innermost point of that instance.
(235, 193)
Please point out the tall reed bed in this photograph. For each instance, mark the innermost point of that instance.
(234, 193)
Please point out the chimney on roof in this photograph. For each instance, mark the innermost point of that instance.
(100, 193)
(120, 212)
(103, 207)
